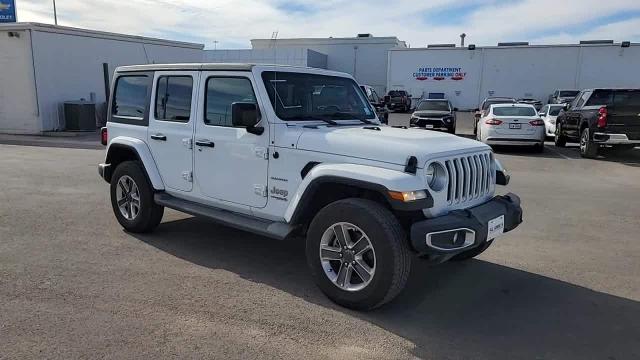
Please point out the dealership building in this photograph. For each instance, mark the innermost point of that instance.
(44, 66)
(467, 75)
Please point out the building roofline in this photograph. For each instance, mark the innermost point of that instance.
(618, 44)
(96, 34)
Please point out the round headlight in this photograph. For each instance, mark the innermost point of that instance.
(436, 176)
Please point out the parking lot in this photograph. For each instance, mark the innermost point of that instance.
(73, 284)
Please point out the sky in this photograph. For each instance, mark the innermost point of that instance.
(230, 24)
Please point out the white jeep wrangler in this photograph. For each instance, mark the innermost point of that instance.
(285, 151)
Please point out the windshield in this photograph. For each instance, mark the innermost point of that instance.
(514, 111)
(569, 93)
(396, 93)
(434, 105)
(302, 96)
(555, 110)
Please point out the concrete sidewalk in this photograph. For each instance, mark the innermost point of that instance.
(64, 139)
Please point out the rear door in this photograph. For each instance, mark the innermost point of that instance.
(624, 113)
(171, 124)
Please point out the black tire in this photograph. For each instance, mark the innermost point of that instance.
(588, 149)
(475, 126)
(470, 254)
(559, 140)
(150, 213)
(392, 256)
(452, 130)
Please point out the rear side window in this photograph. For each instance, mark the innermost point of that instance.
(600, 98)
(130, 96)
(625, 99)
(222, 92)
(514, 111)
(173, 98)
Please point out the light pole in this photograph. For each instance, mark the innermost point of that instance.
(55, 13)
(215, 44)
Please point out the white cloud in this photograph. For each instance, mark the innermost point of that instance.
(234, 22)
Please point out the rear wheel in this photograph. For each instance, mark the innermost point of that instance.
(588, 149)
(132, 198)
(357, 253)
(559, 139)
(470, 254)
(452, 129)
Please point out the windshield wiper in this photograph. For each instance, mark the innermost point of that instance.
(351, 115)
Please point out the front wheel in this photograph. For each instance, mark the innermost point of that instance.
(358, 254)
(559, 139)
(132, 199)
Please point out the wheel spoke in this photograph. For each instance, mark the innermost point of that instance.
(342, 234)
(329, 253)
(361, 246)
(123, 186)
(131, 209)
(122, 202)
(342, 275)
(363, 270)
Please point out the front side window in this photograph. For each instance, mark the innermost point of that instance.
(221, 93)
(130, 96)
(555, 110)
(568, 93)
(514, 111)
(173, 98)
(302, 96)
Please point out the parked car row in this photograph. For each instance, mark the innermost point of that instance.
(594, 118)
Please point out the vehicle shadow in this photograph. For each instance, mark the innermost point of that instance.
(475, 309)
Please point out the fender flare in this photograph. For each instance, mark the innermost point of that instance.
(142, 151)
(363, 176)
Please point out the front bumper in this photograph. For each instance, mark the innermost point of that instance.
(467, 228)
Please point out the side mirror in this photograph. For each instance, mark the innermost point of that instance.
(244, 114)
(566, 107)
(455, 109)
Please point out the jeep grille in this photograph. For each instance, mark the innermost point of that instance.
(470, 177)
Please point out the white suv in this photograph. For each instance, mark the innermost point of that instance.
(299, 152)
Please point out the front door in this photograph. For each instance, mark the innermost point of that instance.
(171, 121)
(230, 163)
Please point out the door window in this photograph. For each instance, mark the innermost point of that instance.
(173, 98)
(221, 93)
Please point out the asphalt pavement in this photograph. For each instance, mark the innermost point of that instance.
(73, 284)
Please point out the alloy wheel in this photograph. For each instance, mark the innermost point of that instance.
(347, 256)
(128, 197)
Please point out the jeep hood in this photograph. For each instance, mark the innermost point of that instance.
(434, 113)
(388, 144)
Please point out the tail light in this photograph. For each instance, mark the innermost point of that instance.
(104, 136)
(493, 122)
(602, 117)
(536, 123)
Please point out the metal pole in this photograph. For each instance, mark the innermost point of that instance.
(55, 13)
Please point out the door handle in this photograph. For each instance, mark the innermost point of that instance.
(159, 137)
(206, 143)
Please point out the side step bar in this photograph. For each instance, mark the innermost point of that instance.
(274, 230)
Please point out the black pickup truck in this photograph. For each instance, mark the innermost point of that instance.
(601, 117)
